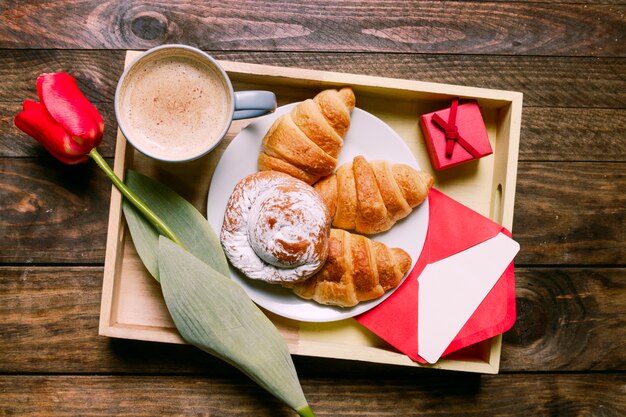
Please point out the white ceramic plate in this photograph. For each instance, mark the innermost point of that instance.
(368, 136)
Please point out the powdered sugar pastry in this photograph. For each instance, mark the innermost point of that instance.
(276, 228)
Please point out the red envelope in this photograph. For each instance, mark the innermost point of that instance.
(452, 228)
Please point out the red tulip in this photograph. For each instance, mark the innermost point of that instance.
(64, 122)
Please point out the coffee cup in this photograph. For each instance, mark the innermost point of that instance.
(176, 103)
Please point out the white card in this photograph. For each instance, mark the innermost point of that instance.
(451, 289)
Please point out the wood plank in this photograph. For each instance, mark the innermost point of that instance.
(450, 394)
(621, 2)
(545, 81)
(52, 213)
(548, 134)
(565, 213)
(566, 1)
(96, 72)
(566, 353)
(572, 134)
(569, 319)
(571, 213)
(368, 26)
(50, 324)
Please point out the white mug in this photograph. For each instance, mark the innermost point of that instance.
(176, 103)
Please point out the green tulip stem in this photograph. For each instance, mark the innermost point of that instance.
(306, 412)
(130, 196)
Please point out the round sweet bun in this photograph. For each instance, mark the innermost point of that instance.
(276, 228)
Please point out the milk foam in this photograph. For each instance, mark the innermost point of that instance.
(175, 107)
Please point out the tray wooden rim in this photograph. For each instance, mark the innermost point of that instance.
(508, 129)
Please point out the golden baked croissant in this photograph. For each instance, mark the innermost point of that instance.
(356, 269)
(370, 197)
(305, 143)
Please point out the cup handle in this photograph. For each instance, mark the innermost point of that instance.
(253, 104)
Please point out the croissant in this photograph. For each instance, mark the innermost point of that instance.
(356, 269)
(370, 197)
(305, 143)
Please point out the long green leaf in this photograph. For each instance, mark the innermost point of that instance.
(184, 219)
(214, 314)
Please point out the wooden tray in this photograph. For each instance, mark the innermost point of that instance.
(132, 304)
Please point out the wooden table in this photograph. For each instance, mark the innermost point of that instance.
(566, 354)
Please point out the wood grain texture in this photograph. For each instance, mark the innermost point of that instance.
(545, 81)
(371, 26)
(565, 355)
(572, 134)
(565, 213)
(497, 395)
(569, 133)
(52, 213)
(568, 319)
(96, 72)
(548, 134)
(571, 213)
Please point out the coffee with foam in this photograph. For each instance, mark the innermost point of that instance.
(174, 106)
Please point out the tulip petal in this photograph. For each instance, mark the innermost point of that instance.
(35, 121)
(60, 94)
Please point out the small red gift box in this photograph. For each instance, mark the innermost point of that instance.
(455, 135)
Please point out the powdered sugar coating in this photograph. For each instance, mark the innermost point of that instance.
(276, 228)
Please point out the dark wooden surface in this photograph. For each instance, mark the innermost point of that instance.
(566, 354)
